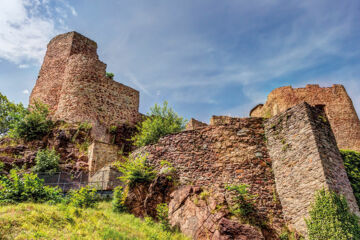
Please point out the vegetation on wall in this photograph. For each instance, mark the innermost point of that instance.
(161, 121)
(47, 161)
(352, 167)
(330, 218)
(243, 201)
(110, 75)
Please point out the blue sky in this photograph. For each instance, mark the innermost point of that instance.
(205, 57)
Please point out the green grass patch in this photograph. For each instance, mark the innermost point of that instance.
(43, 221)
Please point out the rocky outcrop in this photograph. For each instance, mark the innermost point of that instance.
(205, 217)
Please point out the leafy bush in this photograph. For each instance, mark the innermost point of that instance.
(162, 211)
(119, 198)
(352, 167)
(243, 200)
(26, 187)
(31, 125)
(135, 170)
(85, 197)
(47, 161)
(110, 75)
(9, 112)
(160, 122)
(330, 218)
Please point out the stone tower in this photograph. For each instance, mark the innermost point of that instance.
(338, 107)
(73, 83)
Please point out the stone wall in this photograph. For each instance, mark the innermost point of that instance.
(305, 159)
(194, 124)
(231, 151)
(101, 155)
(73, 82)
(338, 107)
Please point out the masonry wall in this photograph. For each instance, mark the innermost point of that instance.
(338, 107)
(230, 151)
(305, 159)
(73, 82)
(101, 155)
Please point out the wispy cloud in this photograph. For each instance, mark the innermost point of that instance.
(26, 26)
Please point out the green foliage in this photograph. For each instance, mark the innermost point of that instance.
(162, 211)
(352, 167)
(85, 197)
(330, 218)
(118, 202)
(113, 129)
(9, 113)
(110, 75)
(44, 221)
(47, 161)
(135, 170)
(2, 166)
(31, 125)
(19, 187)
(160, 122)
(243, 200)
(85, 126)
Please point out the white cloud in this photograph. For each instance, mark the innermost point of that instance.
(26, 26)
(26, 91)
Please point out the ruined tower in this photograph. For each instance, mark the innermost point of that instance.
(73, 83)
(338, 107)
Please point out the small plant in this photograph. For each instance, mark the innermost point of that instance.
(85, 197)
(47, 161)
(83, 147)
(119, 198)
(135, 170)
(113, 129)
(19, 187)
(160, 122)
(162, 211)
(243, 200)
(330, 218)
(110, 75)
(85, 126)
(31, 125)
(2, 166)
(204, 195)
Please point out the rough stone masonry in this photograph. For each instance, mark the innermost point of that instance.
(73, 83)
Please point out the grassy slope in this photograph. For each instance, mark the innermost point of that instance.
(42, 221)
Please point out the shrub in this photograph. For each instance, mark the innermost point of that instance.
(352, 167)
(135, 170)
(330, 218)
(9, 112)
(243, 201)
(26, 187)
(110, 75)
(85, 197)
(31, 125)
(47, 161)
(162, 211)
(85, 126)
(119, 198)
(160, 122)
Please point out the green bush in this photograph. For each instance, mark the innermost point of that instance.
(162, 211)
(118, 202)
(19, 187)
(47, 161)
(135, 170)
(352, 167)
(110, 75)
(330, 218)
(242, 199)
(9, 113)
(85, 197)
(160, 122)
(31, 125)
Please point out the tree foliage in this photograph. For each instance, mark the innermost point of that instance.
(9, 113)
(330, 218)
(161, 121)
(352, 166)
(47, 161)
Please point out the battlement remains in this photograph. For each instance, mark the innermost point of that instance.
(339, 109)
(73, 83)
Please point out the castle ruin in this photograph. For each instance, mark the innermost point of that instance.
(285, 152)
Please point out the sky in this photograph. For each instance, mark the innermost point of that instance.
(205, 57)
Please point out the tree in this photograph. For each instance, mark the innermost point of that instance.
(158, 123)
(9, 113)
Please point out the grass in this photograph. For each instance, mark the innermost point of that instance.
(43, 221)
